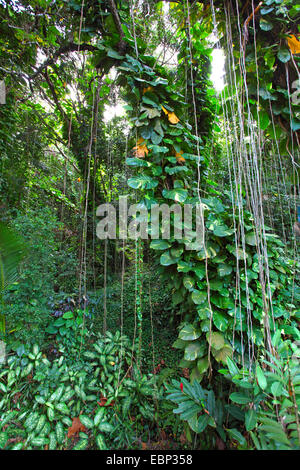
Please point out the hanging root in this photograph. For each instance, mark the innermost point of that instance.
(248, 21)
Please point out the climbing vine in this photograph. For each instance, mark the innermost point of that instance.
(166, 161)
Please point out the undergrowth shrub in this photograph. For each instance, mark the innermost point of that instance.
(263, 408)
(100, 401)
(26, 302)
(268, 396)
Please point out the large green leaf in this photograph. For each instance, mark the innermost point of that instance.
(166, 259)
(220, 321)
(202, 364)
(250, 238)
(194, 350)
(224, 269)
(221, 355)
(188, 282)
(261, 379)
(86, 421)
(250, 419)
(114, 54)
(159, 244)
(265, 25)
(210, 251)
(233, 369)
(295, 125)
(240, 398)
(155, 138)
(199, 297)
(189, 332)
(202, 423)
(183, 266)
(216, 340)
(178, 194)
(237, 436)
(199, 271)
(142, 182)
(179, 344)
(274, 430)
(220, 229)
(138, 162)
(198, 425)
(3, 439)
(284, 55)
(150, 101)
(277, 389)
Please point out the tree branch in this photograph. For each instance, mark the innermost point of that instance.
(71, 47)
(55, 98)
(116, 17)
(122, 44)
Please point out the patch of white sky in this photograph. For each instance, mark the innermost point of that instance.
(116, 110)
(218, 69)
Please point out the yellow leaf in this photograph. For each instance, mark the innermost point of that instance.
(179, 157)
(141, 149)
(294, 44)
(149, 88)
(173, 118)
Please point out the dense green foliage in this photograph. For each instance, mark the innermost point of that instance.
(94, 379)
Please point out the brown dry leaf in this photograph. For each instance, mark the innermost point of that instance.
(76, 427)
(294, 44)
(14, 440)
(179, 157)
(144, 446)
(103, 401)
(17, 397)
(141, 150)
(186, 373)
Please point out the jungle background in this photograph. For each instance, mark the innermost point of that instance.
(123, 344)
